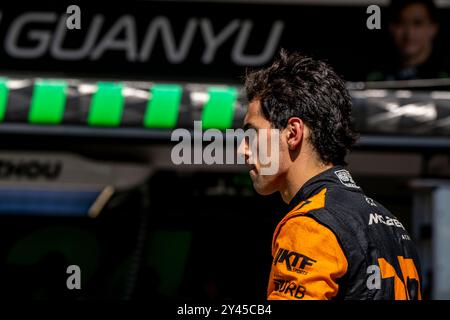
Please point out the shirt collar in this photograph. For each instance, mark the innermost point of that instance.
(336, 176)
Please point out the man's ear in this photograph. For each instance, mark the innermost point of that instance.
(294, 132)
(434, 30)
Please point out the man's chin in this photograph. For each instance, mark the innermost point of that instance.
(411, 52)
(263, 189)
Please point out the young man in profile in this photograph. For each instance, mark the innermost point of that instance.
(334, 243)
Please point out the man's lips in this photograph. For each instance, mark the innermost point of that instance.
(251, 166)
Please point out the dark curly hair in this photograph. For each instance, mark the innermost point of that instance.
(397, 6)
(296, 85)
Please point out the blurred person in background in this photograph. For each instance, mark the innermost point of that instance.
(413, 26)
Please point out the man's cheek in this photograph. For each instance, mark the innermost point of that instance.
(269, 158)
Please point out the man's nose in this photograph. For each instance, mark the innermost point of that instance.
(410, 30)
(242, 147)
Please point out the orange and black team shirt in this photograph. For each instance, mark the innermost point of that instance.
(336, 243)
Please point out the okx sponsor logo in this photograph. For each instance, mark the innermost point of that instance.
(294, 261)
(292, 288)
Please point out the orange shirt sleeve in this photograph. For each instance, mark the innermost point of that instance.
(307, 262)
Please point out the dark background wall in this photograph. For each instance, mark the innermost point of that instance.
(335, 33)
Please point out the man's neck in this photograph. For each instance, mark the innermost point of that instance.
(298, 175)
(418, 59)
